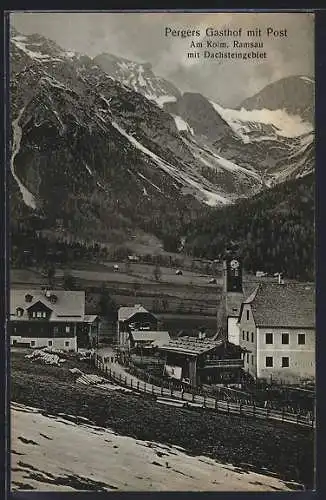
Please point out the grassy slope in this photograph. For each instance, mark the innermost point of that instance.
(244, 442)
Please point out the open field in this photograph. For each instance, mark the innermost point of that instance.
(51, 453)
(187, 294)
(243, 442)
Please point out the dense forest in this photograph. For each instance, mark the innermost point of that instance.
(272, 232)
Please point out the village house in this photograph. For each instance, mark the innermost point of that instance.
(134, 318)
(51, 318)
(277, 329)
(202, 361)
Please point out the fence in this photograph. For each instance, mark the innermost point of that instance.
(206, 402)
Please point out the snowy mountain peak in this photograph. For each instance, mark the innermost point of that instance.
(294, 94)
(139, 77)
(92, 146)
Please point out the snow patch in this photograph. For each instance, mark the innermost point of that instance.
(182, 125)
(70, 54)
(88, 169)
(122, 463)
(242, 121)
(28, 198)
(307, 79)
(210, 197)
(33, 54)
(141, 80)
(161, 100)
(151, 183)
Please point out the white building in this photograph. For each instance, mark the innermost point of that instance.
(50, 318)
(277, 329)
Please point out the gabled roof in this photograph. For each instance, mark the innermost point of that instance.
(150, 336)
(125, 313)
(90, 318)
(69, 306)
(191, 346)
(234, 300)
(289, 305)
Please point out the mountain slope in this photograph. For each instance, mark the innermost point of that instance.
(273, 231)
(139, 77)
(295, 94)
(97, 160)
(92, 155)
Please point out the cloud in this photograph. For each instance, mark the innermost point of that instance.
(141, 37)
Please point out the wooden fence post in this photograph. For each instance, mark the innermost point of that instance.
(152, 389)
(125, 379)
(193, 396)
(240, 409)
(216, 405)
(131, 382)
(228, 408)
(171, 391)
(110, 372)
(144, 386)
(138, 385)
(283, 414)
(161, 390)
(120, 377)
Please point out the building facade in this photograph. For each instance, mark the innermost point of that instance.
(277, 331)
(202, 361)
(134, 318)
(50, 318)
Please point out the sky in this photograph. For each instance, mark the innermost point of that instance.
(141, 37)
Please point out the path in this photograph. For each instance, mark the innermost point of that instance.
(119, 374)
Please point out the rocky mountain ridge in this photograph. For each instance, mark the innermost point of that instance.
(94, 154)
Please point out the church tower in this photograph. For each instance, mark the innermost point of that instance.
(231, 299)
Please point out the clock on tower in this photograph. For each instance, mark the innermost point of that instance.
(234, 275)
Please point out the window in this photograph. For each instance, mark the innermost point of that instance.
(301, 338)
(285, 338)
(269, 338)
(43, 314)
(252, 336)
(32, 343)
(252, 359)
(19, 312)
(50, 343)
(67, 343)
(39, 314)
(247, 336)
(34, 314)
(55, 330)
(247, 357)
(248, 314)
(243, 334)
(269, 361)
(67, 329)
(285, 362)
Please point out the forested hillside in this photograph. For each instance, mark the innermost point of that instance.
(274, 231)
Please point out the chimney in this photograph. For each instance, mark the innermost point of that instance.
(280, 279)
